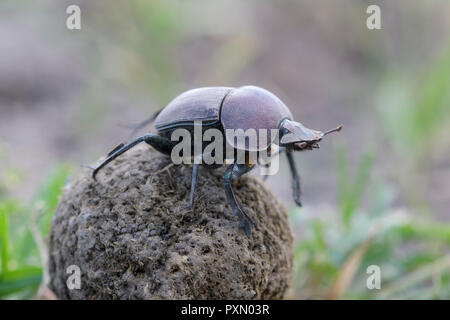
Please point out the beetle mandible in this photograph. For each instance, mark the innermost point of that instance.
(229, 108)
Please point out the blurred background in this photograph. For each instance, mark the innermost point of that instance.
(378, 193)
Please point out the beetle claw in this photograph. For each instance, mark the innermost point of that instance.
(245, 221)
(247, 225)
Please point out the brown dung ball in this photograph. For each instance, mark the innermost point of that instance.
(133, 236)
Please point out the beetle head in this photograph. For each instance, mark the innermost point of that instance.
(296, 136)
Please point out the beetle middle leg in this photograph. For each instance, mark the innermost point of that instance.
(194, 180)
(195, 168)
(232, 173)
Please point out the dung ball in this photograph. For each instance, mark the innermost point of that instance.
(132, 235)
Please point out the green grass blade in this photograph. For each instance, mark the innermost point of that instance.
(10, 287)
(4, 241)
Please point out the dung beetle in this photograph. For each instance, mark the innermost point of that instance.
(225, 108)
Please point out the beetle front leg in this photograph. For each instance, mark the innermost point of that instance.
(232, 173)
(295, 178)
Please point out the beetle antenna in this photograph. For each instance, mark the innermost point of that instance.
(333, 130)
(117, 152)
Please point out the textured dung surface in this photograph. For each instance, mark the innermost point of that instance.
(133, 236)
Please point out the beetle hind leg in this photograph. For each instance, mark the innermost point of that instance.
(232, 173)
(161, 144)
(117, 151)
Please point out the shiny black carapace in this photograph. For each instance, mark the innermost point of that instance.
(229, 108)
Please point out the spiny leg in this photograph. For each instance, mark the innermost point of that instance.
(159, 143)
(295, 178)
(232, 173)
